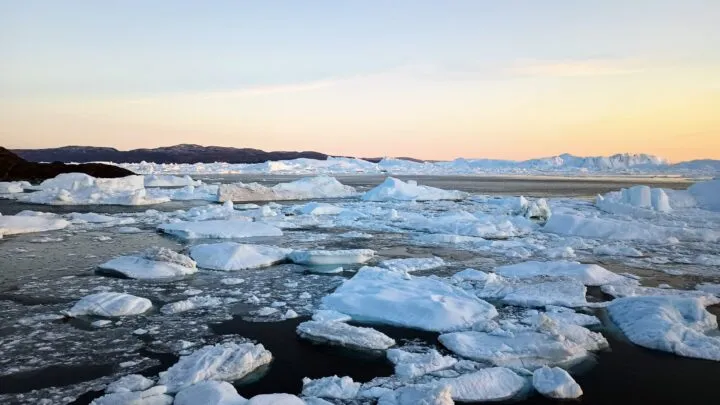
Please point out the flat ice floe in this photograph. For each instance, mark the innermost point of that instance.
(231, 256)
(412, 365)
(130, 383)
(17, 224)
(330, 257)
(153, 396)
(342, 334)
(209, 393)
(221, 362)
(219, 229)
(303, 189)
(412, 264)
(81, 189)
(466, 224)
(315, 208)
(275, 399)
(621, 291)
(488, 384)
(393, 189)
(155, 263)
(555, 383)
(417, 302)
(330, 387)
(588, 274)
(110, 304)
(673, 324)
(418, 395)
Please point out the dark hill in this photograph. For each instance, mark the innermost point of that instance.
(14, 168)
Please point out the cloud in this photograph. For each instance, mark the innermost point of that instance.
(575, 68)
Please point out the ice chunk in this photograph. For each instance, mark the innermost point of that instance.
(194, 303)
(620, 291)
(97, 218)
(412, 264)
(673, 324)
(110, 304)
(488, 384)
(209, 393)
(567, 293)
(130, 383)
(608, 250)
(159, 180)
(221, 362)
(709, 288)
(13, 187)
(303, 189)
(555, 383)
(411, 365)
(588, 274)
(342, 334)
(417, 302)
(331, 257)
(155, 263)
(219, 229)
(330, 387)
(418, 395)
(230, 256)
(315, 208)
(325, 315)
(393, 189)
(707, 194)
(538, 209)
(16, 224)
(470, 275)
(637, 201)
(153, 396)
(275, 399)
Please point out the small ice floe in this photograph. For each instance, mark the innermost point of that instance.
(275, 399)
(303, 189)
(316, 208)
(93, 218)
(330, 387)
(13, 187)
(673, 324)
(393, 189)
(154, 263)
(110, 304)
(620, 291)
(221, 362)
(355, 235)
(413, 264)
(550, 343)
(624, 251)
(219, 229)
(588, 274)
(326, 315)
(709, 288)
(164, 180)
(232, 281)
(462, 223)
(232, 256)
(17, 224)
(325, 269)
(555, 383)
(342, 334)
(196, 302)
(411, 365)
(130, 383)
(564, 252)
(82, 189)
(330, 257)
(209, 393)
(559, 315)
(417, 302)
(152, 396)
(418, 394)
(488, 384)
(128, 229)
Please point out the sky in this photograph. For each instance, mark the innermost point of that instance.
(429, 79)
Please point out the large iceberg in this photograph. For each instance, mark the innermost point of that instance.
(221, 362)
(154, 263)
(82, 189)
(219, 229)
(110, 304)
(230, 256)
(673, 324)
(393, 189)
(417, 302)
(303, 189)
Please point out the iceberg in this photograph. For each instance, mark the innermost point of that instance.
(393, 189)
(110, 304)
(342, 334)
(221, 362)
(417, 302)
(330, 257)
(155, 263)
(303, 189)
(677, 325)
(556, 383)
(232, 256)
(219, 229)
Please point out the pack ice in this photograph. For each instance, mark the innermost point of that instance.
(154, 263)
(221, 362)
(417, 302)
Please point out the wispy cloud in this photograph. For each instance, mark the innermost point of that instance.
(576, 68)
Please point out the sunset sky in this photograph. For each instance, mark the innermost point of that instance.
(428, 79)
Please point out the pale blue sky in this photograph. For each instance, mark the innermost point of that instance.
(69, 52)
